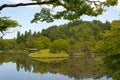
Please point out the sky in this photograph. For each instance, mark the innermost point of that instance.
(23, 15)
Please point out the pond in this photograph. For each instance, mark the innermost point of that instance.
(22, 67)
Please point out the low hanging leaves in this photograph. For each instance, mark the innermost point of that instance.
(44, 15)
(72, 9)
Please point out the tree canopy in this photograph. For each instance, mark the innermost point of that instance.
(71, 9)
(59, 45)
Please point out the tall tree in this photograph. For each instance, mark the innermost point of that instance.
(18, 37)
(72, 9)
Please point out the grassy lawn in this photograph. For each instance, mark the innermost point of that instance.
(46, 54)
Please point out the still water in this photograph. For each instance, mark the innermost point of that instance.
(22, 67)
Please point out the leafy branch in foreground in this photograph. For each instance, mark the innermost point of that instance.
(5, 24)
(71, 9)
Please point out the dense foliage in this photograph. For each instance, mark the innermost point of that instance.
(110, 46)
(80, 36)
(59, 45)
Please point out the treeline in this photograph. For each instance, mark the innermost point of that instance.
(74, 37)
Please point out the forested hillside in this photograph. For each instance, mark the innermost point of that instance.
(79, 37)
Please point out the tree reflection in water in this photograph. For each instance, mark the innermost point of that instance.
(77, 68)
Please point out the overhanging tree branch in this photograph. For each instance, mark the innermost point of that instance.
(32, 3)
(24, 4)
(73, 9)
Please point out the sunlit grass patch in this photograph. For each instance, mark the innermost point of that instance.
(46, 54)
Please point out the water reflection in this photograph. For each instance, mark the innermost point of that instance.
(22, 67)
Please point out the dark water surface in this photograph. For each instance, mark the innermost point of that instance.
(22, 67)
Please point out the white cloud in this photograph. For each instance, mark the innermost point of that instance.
(118, 3)
(102, 0)
(23, 1)
(18, 1)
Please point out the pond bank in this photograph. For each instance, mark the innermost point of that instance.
(14, 51)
